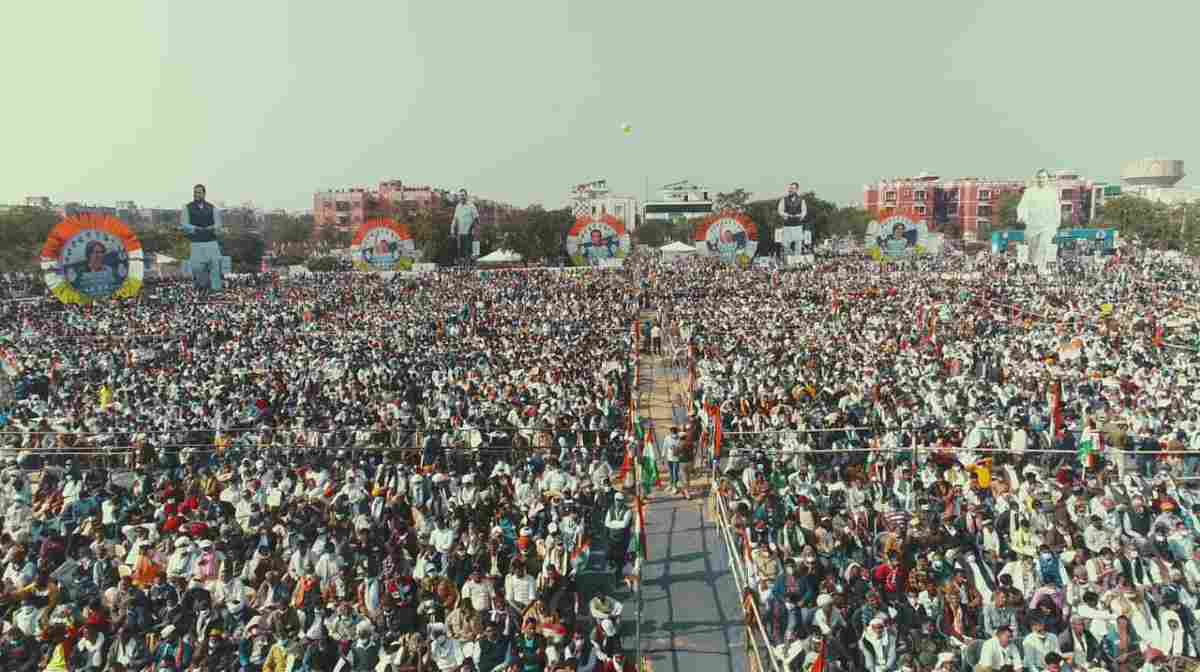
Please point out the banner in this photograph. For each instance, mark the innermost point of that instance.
(730, 236)
(593, 240)
(896, 237)
(383, 245)
(92, 257)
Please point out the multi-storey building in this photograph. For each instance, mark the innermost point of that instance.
(595, 199)
(968, 205)
(679, 199)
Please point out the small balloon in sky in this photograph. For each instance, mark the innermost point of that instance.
(627, 128)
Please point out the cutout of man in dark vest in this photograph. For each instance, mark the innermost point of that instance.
(793, 209)
(201, 222)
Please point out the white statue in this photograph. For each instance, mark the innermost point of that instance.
(1039, 211)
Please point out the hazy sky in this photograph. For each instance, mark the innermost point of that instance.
(267, 100)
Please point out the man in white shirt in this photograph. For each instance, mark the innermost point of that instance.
(999, 651)
(671, 452)
(519, 588)
(478, 590)
(465, 216)
(1037, 644)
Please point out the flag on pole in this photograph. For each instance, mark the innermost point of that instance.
(718, 433)
(579, 557)
(649, 461)
(1056, 417)
(637, 541)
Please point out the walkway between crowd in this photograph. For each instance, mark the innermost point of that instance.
(690, 615)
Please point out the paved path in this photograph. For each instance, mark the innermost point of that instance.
(691, 618)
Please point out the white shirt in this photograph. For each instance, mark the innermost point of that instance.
(479, 593)
(520, 590)
(996, 656)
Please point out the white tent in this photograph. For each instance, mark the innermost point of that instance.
(676, 249)
(500, 257)
(164, 259)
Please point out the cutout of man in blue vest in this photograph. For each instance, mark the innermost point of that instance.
(201, 222)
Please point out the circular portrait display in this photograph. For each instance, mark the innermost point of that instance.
(92, 257)
(896, 237)
(383, 245)
(730, 236)
(592, 240)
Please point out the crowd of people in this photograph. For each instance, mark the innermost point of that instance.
(958, 463)
(950, 464)
(325, 473)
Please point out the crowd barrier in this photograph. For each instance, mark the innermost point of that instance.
(758, 644)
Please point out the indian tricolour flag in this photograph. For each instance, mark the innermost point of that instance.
(649, 462)
(637, 541)
(1089, 446)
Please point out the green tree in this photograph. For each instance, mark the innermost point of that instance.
(731, 200)
(536, 233)
(244, 247)
(1006, 212)
(654, 232)
(288, 229)
(848, 221)
(1140, 218)
(333, 237)
(23, 232)
(765, 215)
(431, 234)
(164, 239)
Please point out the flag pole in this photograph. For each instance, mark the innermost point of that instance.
(637, 563)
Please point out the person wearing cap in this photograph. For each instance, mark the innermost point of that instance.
(616, 522)
(173, 651)
(878, 646)
(89, 651)
(1174, 639)
(1078, 643)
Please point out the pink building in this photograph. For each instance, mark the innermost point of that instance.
(349, 208)
(968, 205)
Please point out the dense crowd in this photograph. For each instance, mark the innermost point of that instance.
(329, 473)
(956, 463)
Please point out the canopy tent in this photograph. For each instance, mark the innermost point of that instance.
(676, 249)
(160, 258)
(500, 257)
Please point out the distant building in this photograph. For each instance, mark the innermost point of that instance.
(1157, 180)
(38, 202)
(679, 199)
(969, 204)
(595, 199)
(342, 207)
(349, 208)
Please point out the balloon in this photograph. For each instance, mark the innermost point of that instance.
(626, 128)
